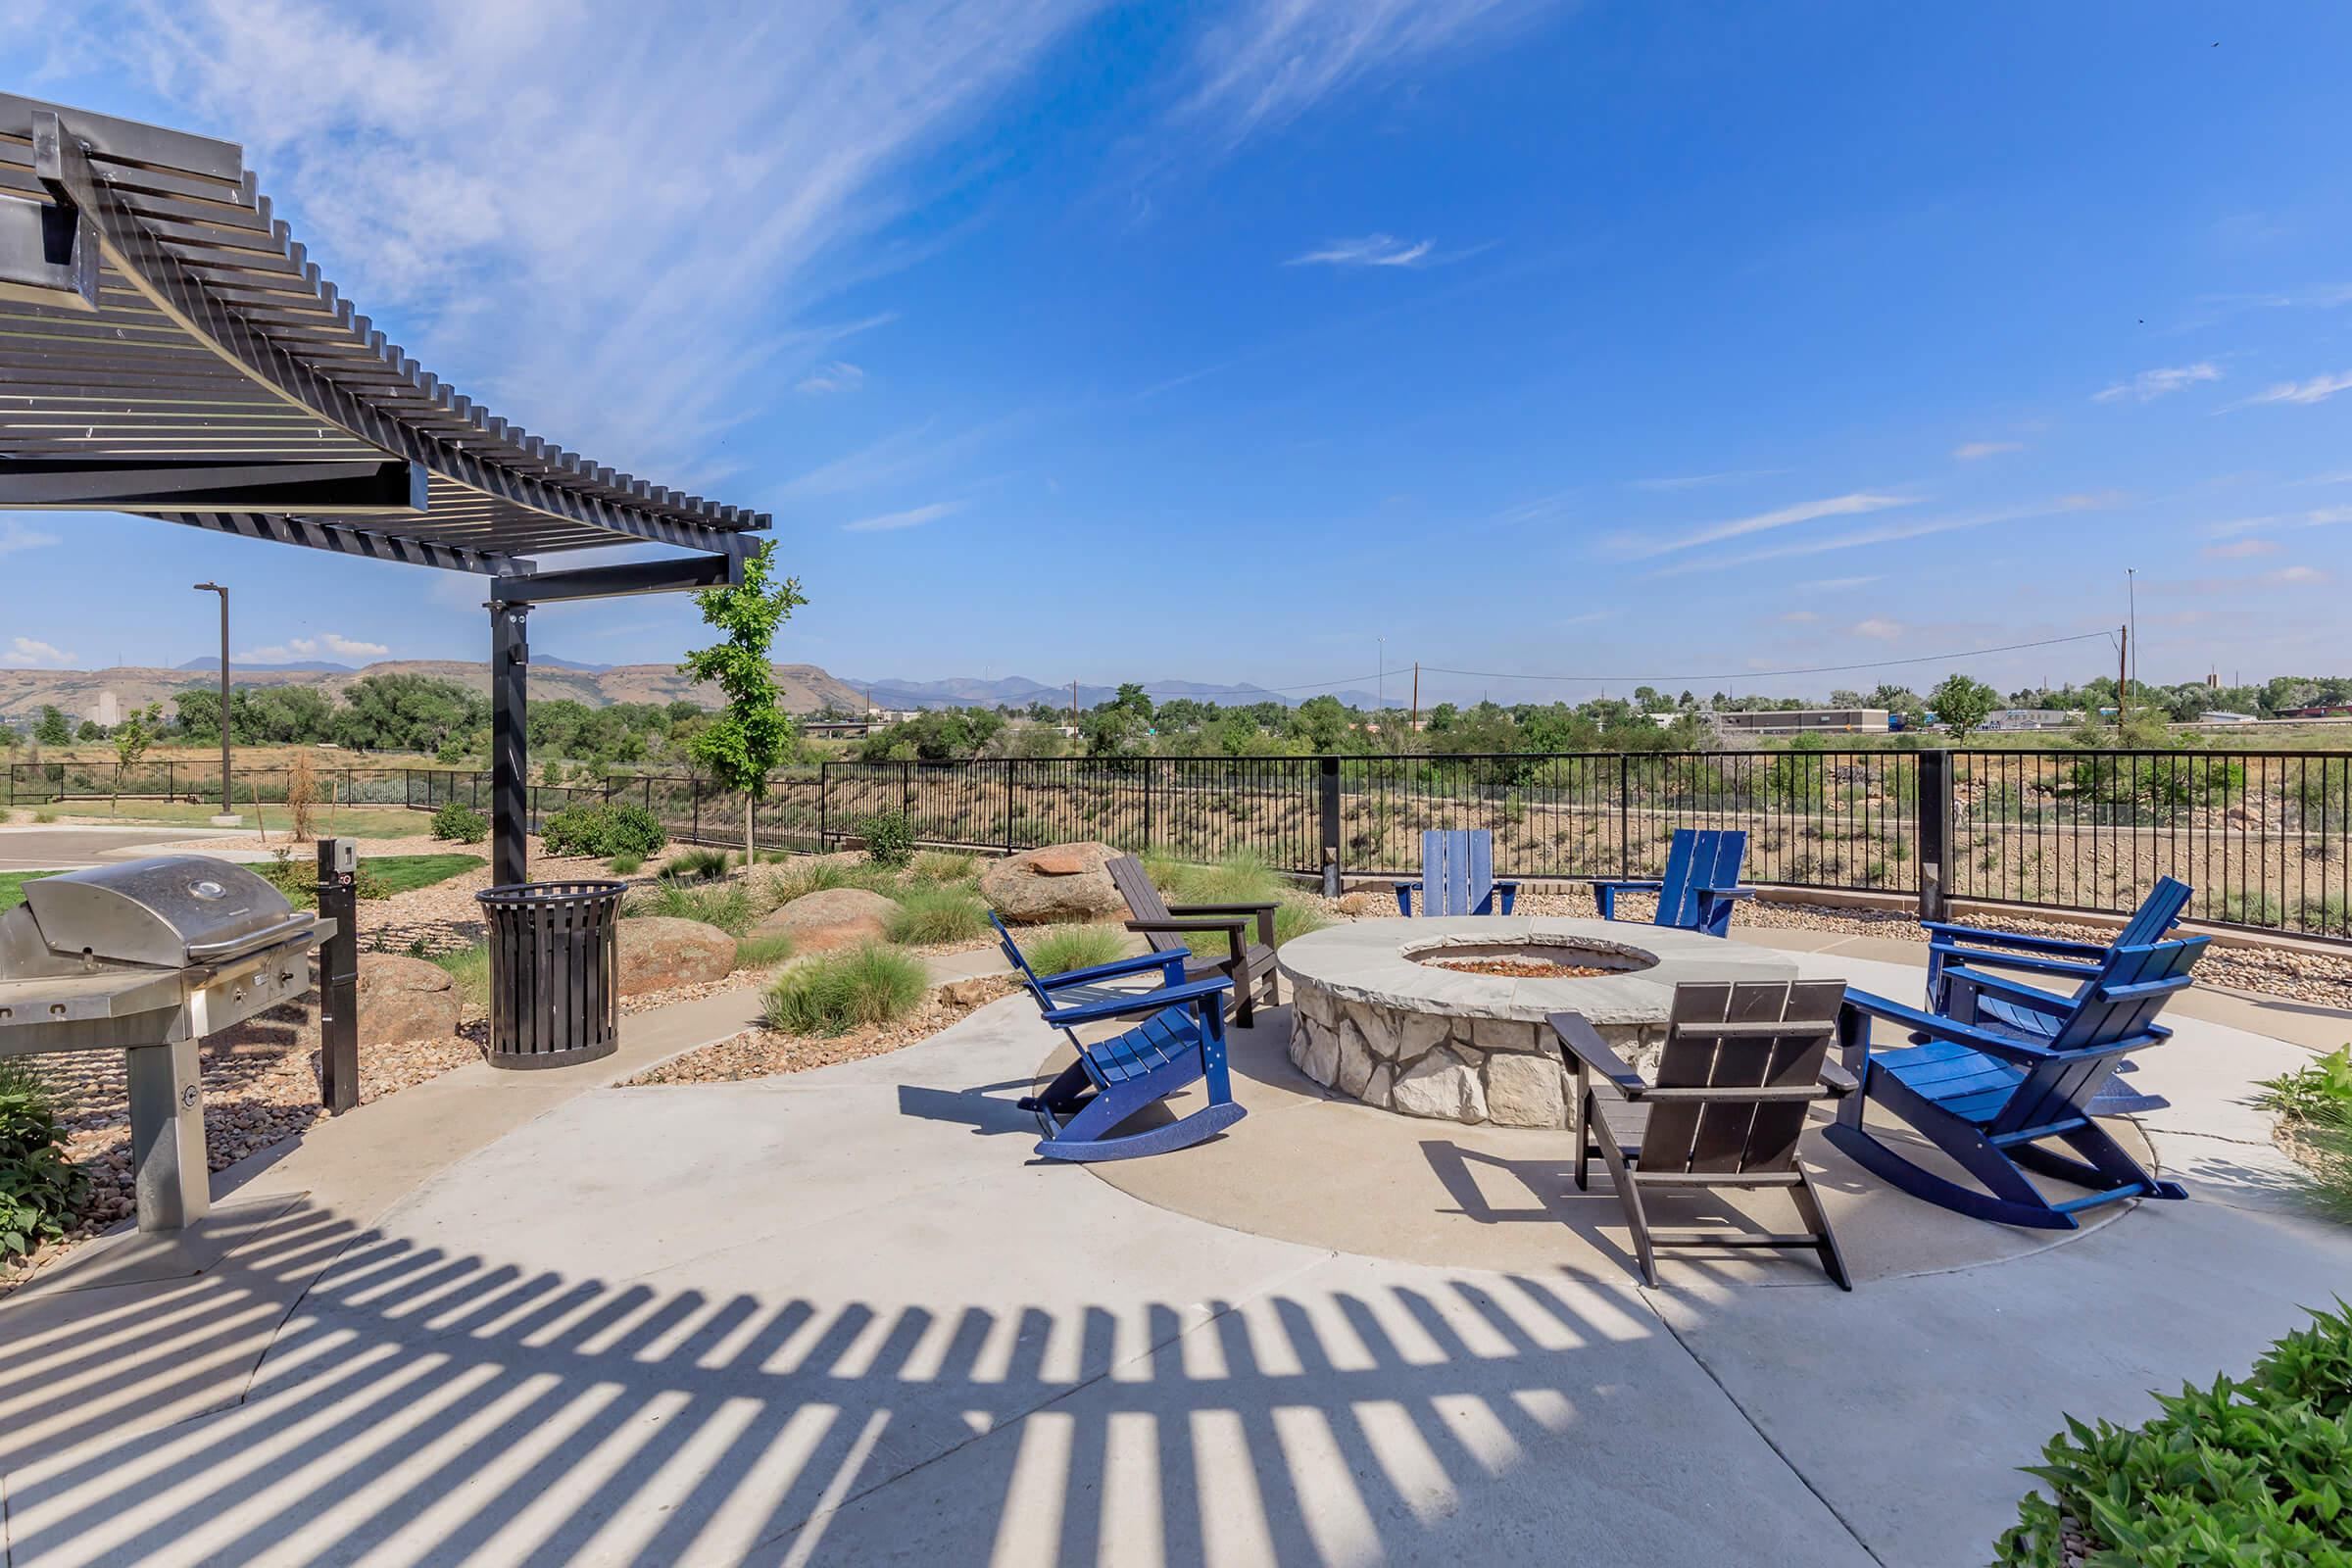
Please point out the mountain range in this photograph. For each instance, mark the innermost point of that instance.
(105, 695)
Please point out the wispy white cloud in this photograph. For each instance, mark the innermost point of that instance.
(1634, 547)
(2296, 577)
(1839, 585)
(1881, 628)
(580, 258)
(30, 653)
(1372, 250)
(1801, 617)
(838, 376)
(326, 644)
(911, 518)
(1887, 533)
(2318, 389)
(1694, 481)
(14, 536)
(2149, 386)
(1275, 60)
(1972, 450)
(2241, 549)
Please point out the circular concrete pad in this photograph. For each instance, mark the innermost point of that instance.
(1310, 1165)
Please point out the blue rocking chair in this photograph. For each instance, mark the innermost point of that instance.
(1949, 945)
(1700, 885)
(1457, 875)
(1180, 1041)
(1988, 1093)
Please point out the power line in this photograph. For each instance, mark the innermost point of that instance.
(1767, 674)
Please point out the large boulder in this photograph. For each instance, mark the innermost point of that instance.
(1059, 882)
(661, 954)
(833, 917)
(405, 999)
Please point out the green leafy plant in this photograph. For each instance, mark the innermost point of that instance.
(837, 992)
(1059, 948)
(600, 832)
(927, 914)
(764, 949)
(39, 1188)
(459, 823)
(2318, 1093)
(747, 740)
(2250, 1471)
(889, 839)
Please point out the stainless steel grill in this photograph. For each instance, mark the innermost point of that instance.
(149, 958)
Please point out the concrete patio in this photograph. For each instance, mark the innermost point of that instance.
(844, 1317)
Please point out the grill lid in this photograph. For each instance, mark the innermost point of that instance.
(170, 911)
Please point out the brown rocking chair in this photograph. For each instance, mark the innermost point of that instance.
(1228, 949)
(1741, 1064)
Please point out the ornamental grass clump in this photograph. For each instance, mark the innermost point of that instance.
(837, 992)
(724, 904)
(696, 865)
(2249, 1471)
(1063, 948)
(931, 915)
(2314, 1103)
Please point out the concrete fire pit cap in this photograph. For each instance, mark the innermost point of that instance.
(1378, 962)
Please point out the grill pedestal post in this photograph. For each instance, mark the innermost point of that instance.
(171, 1178)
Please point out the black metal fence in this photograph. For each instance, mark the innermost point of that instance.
(2263, 837)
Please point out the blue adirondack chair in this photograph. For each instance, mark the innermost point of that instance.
(1180, 1041)
(1989, 1095)
(1952, 945)
(1700, 885)
(1457, 875)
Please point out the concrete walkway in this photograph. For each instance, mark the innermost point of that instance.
(45, 848)
(844, 1317)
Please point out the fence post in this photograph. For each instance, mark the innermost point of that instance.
(1330, 814)
(1147, 844)
(907, 792)
(1625, 808)
(824, 782)
(1009, 766)
(1934, 830)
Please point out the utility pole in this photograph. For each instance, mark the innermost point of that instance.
(1416, 696)
(1380, 679)
(1073, 705)
(2131, 612)
(227, 815)
(2122, 662)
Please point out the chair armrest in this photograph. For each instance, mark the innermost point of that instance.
(2008, 989)
(1733, 891)
(1579, 1038)
(1264, 913)
(1232, 930)
(1404, 897)
(1979, 958)
(1618, 883)
(1941, 1028)
(1171, 960)
(1142, 1002)
(2049, 947)
(1838, 1081)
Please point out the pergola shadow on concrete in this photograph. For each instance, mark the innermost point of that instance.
(168, 349)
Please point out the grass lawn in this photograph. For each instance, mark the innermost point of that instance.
(405, 873)
(11, 887)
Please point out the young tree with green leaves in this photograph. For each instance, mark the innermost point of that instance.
(54, 729)
(752, 735)
(131, 738)
(1962, 703)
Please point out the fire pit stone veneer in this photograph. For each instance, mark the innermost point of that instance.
(1376, 1018)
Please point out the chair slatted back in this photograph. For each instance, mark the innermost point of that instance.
(2110, 1016)
(1754, 1034)
(1697, 857)
(1143, 902)
(2157, 914)
(1457, 871)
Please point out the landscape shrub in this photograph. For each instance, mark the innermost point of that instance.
(724, 904)
(696, 865)
(1063, 948)
(928, 914)
(944, 867)
(2314, 1103)
(2250, 1471)
(459, 823)
(601, 832)
(764, 951)
(889, 839)
(298, 880)
(38, 1185)
(627, 864)
(2251, 909)
(837, 992)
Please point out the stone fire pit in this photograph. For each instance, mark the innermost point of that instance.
(1396, 1013)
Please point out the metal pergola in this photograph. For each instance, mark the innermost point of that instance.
(168, 349)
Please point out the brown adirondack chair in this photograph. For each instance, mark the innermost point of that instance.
(1234, 940)
(1741, 1062)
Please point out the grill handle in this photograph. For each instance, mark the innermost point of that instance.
(237, 946)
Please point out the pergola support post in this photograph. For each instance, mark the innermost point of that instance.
(510, 746)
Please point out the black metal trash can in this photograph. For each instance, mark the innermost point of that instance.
(554, 972)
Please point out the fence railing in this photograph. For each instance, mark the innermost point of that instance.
(2263, 837)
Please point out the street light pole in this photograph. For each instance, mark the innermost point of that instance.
(227, 815)
(1380, 679)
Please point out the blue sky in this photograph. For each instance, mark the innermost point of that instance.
(1219, 341)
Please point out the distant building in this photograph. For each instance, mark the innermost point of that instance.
(2219, 717)
(2323, 710)
(1802, 721)
(2015, 718)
